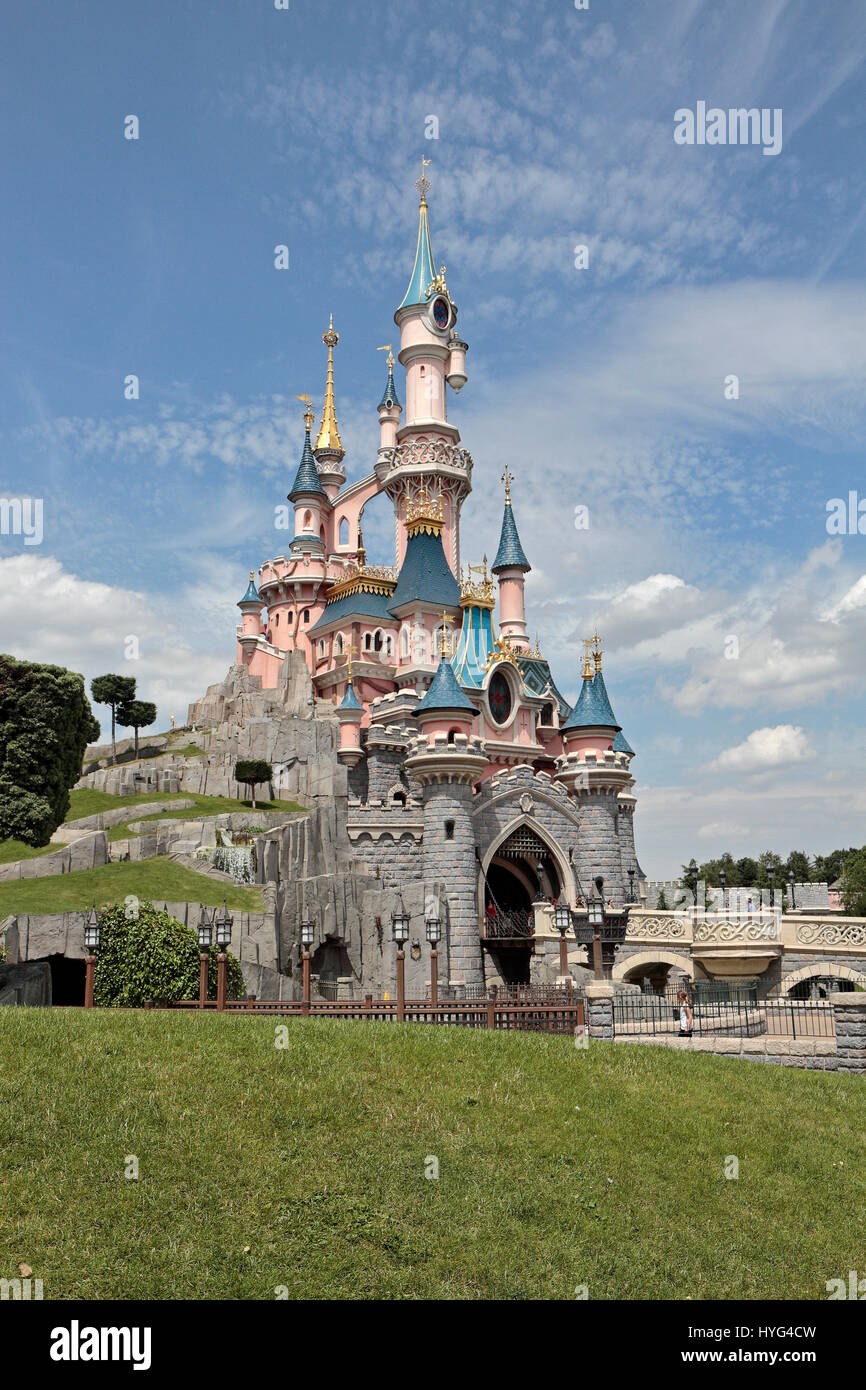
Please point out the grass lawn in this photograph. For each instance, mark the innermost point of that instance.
(86, 802)
(305, 1167)
(161, 880)
(13, 850)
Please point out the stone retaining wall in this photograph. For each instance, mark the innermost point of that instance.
(88, 851)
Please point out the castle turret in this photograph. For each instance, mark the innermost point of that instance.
(350, 712)
(308, 497)
(511, 567)
(426, 445)
(390, 408)
(329, 446)
(445, 708)
(251, 607)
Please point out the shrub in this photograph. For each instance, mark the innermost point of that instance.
(153, 956)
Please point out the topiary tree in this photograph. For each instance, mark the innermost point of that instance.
(46, 724)
(662, 904)
(149, 955)
(113, 691)
(252, 774)
(854, 884)
(136, 714)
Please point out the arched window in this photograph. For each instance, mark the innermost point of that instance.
(500, 698)
(338, 644)
(344, 531)
(404, 642)
(546, 716)
(308, 521)
(306, 615)
(378, 640)
(276, 619)
(389, 644)
(368, 642)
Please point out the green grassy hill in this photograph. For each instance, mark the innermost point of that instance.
(304, 1168)
(157, 880)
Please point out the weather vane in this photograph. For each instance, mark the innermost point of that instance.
(507, 478)
(390, 357)
(309, 413)
(423, 183)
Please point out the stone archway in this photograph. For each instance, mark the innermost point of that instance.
(560, 860)
(820, 971)
(642, 960)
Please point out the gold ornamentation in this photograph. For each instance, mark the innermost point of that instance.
(423, 184)
(390, 358)
(502, 651)
(597, 650)
(479, 592)
(587, 659)
(309, 413)
(507, 478)
(329, 434)
(444, 634)
(423, 513)
(438, 284)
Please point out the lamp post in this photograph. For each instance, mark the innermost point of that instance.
(595, 908)
(562, 922)
(91, 946)
(223, 924)
(771, 875)
(400, 930)
(308, 934)
(631, 896)
(791, 886)
(693, 879)
(433, 928)
(205, 937)
(723, 882)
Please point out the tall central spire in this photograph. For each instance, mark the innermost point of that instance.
(329, 434)
(424, 272)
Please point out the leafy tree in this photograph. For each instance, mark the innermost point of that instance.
(252, 774)
(747, 872)
(798, 862)
(828, 867)
(854, 884)
(46, 724)
(662, 904)
(765, 861)
(136, 714)
(150, 955)
(113, 691)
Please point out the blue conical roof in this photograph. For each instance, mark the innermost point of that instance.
(251, 595)
(621, 744)
(350, 699)
(389, 395)
(425, 574)
(445, 693)
(424, 272)
(510, 553)
(307, 476)
(593, 707)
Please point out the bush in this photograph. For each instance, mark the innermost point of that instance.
(153, 956)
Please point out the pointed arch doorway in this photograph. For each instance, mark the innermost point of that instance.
(521, 871)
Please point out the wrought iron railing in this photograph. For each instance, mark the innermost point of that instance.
(507, 923)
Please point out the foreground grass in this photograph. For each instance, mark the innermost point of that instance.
(87, 802)
(305, 1167)
(159, 879)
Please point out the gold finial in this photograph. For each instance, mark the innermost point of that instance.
(390, 358)
(424, 513)
(587, 659)
(507, 478)
(329, 434)
(443, 633)
(479, 592)
(309, 413)
(350, 652)
(362, 554)
(537, 651)
(252, 575)
(597, 650)
(423, 183)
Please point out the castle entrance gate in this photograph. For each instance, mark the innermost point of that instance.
(521, 873)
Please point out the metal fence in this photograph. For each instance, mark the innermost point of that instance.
(722, 1011)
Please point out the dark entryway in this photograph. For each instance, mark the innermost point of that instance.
(67, 980)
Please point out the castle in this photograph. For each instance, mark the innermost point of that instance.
(464, 764)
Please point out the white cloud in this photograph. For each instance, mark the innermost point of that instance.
(764, 749)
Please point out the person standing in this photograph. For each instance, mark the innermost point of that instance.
(686, 1016)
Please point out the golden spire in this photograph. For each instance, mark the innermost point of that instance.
(362, 554)
(390, 358)
(445, 619)
(423, 183)
(597, 650)
(309, 413)
(588, 672)
(350, 652)
(537, 652)
(507, 478)
(329, 434)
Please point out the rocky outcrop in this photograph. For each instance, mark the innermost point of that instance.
(29, 983)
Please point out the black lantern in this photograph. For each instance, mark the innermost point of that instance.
(562, 917)
(631, 896)
(771, 875)
(791, 885)
(723, 882)
(400, 926)
(433, 929)
(92, 931)
(308, 933)
(223, 923)
(595, 908)
(205, 929)
(693, 878)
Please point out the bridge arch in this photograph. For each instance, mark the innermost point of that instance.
(822, 970)
(658, 956)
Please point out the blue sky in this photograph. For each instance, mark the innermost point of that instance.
(600, 387)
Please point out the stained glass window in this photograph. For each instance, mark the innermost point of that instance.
(499, 695)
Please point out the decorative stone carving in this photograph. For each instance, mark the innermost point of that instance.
(831, 933)
(657, 928)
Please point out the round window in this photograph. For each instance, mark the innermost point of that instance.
(441, 312)
(499, 696)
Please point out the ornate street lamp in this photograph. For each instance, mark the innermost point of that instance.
(693, 879)
(723, 882)
(562, 922)
(400, 931)
(91, 946)
(631, 896)
(791, 886)
(771, 875)
(205, 938)
(433, 930)
(595, 909)
(307, 929)
(222, 921)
